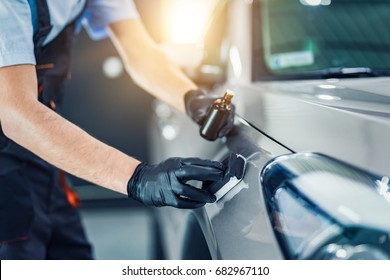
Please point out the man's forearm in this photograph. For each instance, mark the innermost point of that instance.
(45, 133)
(66, 146)
(148, 65)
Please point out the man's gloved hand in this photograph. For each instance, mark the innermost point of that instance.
(164, 184)
(197, 105)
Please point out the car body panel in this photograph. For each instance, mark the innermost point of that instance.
(333, 117)
(347, 119)
(236, 226)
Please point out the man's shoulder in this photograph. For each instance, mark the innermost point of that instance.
(16, 33)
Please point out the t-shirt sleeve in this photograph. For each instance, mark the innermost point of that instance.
(16, 33)
(101, 13)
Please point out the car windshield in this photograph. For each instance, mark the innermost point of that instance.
(322, 37)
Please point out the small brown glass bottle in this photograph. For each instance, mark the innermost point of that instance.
(217, 117)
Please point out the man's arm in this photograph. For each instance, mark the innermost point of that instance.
(146, 63)
(34, 126)
(151, 69)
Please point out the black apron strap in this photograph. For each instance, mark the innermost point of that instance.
(44, 25)
(54, 58)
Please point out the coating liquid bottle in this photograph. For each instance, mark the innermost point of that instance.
(217, 117)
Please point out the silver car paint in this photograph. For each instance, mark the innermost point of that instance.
(339, 118)
(237, 226)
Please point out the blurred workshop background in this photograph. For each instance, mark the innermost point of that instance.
(102, 99)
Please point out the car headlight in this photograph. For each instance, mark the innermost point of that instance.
(321, 208)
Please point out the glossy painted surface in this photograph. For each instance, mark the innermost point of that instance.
(347, 119)
(332, 117)
(237, 226)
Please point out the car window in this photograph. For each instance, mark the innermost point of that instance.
(323, 36)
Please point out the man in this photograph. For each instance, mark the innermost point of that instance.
(36, 220)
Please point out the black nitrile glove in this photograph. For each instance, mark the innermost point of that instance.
(197, 105)
(164, 184)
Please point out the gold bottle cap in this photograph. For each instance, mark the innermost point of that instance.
(227, 98)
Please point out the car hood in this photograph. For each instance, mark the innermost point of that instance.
(345, 118)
